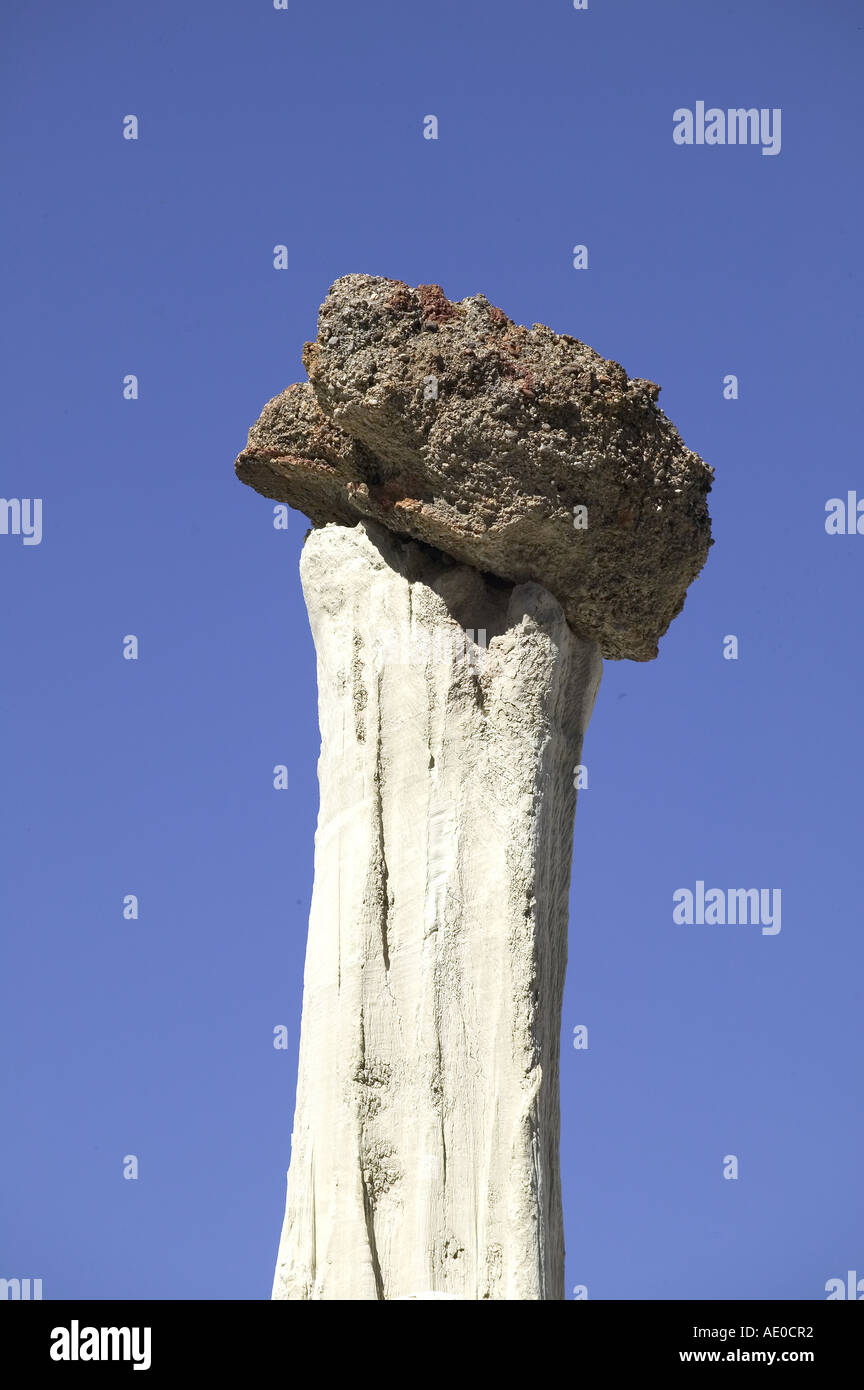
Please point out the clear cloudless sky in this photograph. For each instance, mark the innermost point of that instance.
(304, 127)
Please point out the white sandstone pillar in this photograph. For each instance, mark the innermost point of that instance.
(425, 1147)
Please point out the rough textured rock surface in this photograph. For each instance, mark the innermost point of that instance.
(448, 423)
(425, 1146)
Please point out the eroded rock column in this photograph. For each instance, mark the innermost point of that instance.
(435, 442)
(425, 1147)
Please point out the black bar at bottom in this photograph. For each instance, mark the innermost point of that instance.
(152, 1339)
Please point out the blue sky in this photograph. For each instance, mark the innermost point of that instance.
(155, 257)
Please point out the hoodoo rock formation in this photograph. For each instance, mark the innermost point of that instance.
(494, 510)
